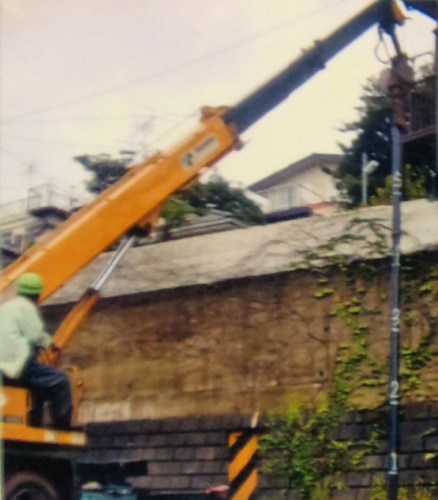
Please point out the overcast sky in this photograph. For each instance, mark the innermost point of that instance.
(102, 76)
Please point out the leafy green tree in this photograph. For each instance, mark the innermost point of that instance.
(414, 188)
(219, 194)
(372, 136)
(105, 170)
(201, 197)
(372, 132)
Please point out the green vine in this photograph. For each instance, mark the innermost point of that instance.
(299, 445)
(415, 492)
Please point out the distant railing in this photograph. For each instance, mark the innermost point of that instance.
(50, 196)
(46, 195)
(18, 229)
(13, 208)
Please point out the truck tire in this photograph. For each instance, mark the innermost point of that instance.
(29, 486)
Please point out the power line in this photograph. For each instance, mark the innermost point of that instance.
(173, 127)
(171, 69)
(15, 157)
(156, 113)
(51, 141)
(67, 143)
(62, 187)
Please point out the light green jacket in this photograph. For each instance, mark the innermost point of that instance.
(21, 331)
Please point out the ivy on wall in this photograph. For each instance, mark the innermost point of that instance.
(300, 446)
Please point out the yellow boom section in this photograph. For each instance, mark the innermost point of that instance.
(72, 245)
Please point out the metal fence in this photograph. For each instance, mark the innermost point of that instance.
(45, 195)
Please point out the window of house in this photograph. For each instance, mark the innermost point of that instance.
(282, 197)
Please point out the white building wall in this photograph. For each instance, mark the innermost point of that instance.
(305, 188)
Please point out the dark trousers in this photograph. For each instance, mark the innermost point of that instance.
(49, 384)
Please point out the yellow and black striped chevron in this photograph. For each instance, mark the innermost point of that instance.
(242, 472)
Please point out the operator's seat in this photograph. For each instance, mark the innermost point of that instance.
(34, 397)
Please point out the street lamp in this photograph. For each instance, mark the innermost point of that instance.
(368, 167)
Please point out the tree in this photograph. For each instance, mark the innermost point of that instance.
(201, 197)
(219, 194)
(414, 188)
(373, 137)
(105, 170)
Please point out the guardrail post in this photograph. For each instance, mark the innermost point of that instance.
(242, 471)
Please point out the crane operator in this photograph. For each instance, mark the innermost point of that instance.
(22, 334)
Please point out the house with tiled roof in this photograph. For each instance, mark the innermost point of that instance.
(307, 182)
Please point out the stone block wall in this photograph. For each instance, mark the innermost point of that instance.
(182, 457)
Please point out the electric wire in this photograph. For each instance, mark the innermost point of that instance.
(15, 157)
(171, 69)
(50, 141)
(91, 119)
(117, 88)
(381, 42)
(175, 125)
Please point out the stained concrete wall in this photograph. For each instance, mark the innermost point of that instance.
(225, 324)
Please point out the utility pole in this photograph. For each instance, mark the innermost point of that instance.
(394, 384)
(398, 88)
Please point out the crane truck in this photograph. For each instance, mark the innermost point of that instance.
(40, 463)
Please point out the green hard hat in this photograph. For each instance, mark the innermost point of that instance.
(29, 284)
